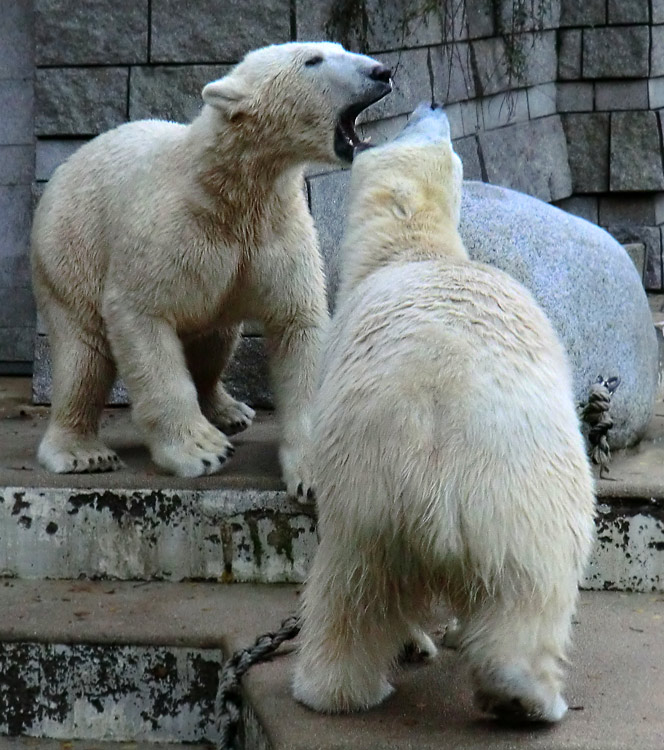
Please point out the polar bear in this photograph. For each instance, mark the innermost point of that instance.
(447, 453)
(154, 241)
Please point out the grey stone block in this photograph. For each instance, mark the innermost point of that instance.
(16, 342)
(542, 100)
(588, 151)
(597, 303)
(468, 152)
(80, 101)
(170, 92)
(583, 206)
(657, 51)
(637, 254)
(569, 54)
(582, 12)
(650, 237)
(480, 18)
(575, 97)
(92, 32)
(657, 11)
(18, 308)
(540, 62)
(246, 376)
(15, 270)
(15, 219)
(627, 208)
(17, 40)
(617, 95)
(16, 103)
(628, 11)
(636, 158)
(656, 93)
(17, 165)
(398, 24)
(453, 77)
(453, 112)
(327, 197)
(215, 30)
(504, 109)
(380, 131)
(411, 83)
(616, 52)
(51, 153)
(530, 157)
(658, 199)
(471, 117)
(537, 16)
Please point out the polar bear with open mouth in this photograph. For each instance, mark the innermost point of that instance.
(154, 241)
(448, 457)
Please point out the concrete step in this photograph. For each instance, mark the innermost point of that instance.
(41, 743)
(117, 661)
(138, 524)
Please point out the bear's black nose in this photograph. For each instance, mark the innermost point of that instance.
(381, 73)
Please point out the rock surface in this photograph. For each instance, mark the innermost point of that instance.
(587, 285)
(582, 277)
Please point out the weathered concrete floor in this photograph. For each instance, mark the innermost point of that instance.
(615, 685)
(635, 473)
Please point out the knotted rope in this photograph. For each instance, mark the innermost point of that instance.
(596, 415)
(228, 703)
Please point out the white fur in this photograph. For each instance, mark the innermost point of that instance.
(448, 458)
(156, 240)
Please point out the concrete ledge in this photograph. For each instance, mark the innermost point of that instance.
(615, 679)
(138, 524)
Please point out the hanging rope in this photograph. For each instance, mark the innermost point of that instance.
(596, 415)
(228, 703)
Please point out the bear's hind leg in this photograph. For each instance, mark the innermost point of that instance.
(352, 632)
(83, 373)
(207, 357)
(515, 650)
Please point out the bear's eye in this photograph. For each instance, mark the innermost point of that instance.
(317, 60)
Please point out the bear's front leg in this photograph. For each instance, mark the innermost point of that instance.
(294, 352)
(165, 405)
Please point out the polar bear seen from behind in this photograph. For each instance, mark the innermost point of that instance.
(154, 241)
(447, 453)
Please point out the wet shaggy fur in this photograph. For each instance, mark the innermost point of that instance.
(448, 458)
(155, 241)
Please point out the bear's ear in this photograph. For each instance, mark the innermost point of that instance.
(403, 203)
(225, 94)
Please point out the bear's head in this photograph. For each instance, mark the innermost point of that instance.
(417, 172)
(299, 100)
(405, 199)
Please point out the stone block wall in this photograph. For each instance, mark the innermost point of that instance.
(578, 126)
(610, 96)
(17, 315)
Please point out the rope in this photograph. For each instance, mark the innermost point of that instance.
(228, 703)
(596, 415)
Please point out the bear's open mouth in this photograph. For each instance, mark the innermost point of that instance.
(346, 140)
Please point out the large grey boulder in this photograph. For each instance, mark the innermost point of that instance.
(580, 275)
(587, 285)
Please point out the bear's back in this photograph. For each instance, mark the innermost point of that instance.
(460, 344)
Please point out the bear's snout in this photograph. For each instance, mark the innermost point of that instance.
(381, 73)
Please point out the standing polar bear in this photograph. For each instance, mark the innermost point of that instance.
(156, 240)
(447, 453)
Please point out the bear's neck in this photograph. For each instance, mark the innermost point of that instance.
(237, 173)
(374, 240)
